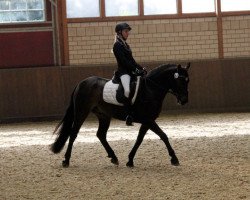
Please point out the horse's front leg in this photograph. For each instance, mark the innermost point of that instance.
(156, 129)
(142, 132)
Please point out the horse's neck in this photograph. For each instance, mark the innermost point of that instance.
(157, 88)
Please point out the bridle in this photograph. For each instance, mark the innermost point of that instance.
(176, 76)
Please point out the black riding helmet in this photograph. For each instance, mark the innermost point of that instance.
(121, 26)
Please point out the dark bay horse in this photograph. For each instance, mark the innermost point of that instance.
(88, 97)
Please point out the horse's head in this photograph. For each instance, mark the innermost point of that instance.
(179, 86)
(171, 78)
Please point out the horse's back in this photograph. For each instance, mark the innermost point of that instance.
(93, 82)
(91, 88)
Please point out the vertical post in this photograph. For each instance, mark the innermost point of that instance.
(63, 27)
(141, 8)
(179, 7)
(219, 29)
(102, 8)
(55, 47)
(56, 39)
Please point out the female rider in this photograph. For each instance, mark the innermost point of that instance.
(127, 66)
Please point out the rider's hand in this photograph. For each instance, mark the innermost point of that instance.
(139, 72)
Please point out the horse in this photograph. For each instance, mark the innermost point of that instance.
(88, 97)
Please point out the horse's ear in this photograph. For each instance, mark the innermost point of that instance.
(187, 66)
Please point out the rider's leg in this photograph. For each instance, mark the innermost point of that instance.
(125, 79)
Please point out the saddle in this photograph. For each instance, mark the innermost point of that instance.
(113, 91)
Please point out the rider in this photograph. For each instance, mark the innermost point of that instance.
(127, 66)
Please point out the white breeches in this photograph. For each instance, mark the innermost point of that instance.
(125, 79)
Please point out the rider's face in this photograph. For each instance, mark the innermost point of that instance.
(125, 33)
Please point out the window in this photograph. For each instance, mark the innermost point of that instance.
(158, 7)
(235, 5)
(83, 8)
(117, 8)
(198, 6)
(21, 11)
(121, 7)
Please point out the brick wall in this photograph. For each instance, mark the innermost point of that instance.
(160, 40)
(236, 34)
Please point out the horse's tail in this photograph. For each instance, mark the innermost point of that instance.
(63, 129)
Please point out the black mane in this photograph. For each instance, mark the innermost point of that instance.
(159, 70)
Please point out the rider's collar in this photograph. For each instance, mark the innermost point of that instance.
(120, 39)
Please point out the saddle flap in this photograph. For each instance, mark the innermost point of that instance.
(114, 93)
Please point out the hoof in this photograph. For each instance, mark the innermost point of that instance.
(175, 162)
(130, 164)
(65, 164)
(115, 161)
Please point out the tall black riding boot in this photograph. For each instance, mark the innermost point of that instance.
(129, 118)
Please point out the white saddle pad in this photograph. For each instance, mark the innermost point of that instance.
(109, 92)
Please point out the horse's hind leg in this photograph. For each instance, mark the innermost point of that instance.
(104, 123)
(78, 121)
